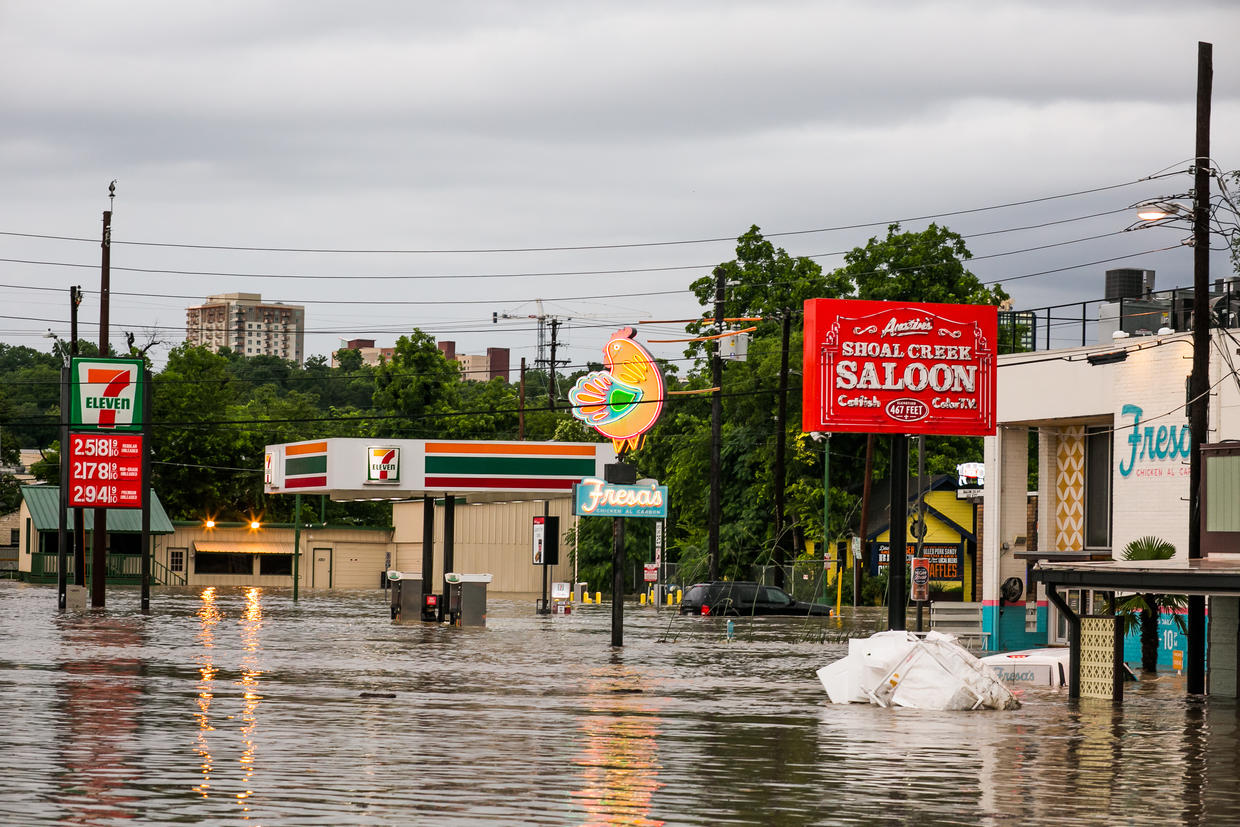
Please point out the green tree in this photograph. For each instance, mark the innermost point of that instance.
(1143, 610)
(419, 384)
(195, 453)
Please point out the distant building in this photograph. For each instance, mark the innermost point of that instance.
(247, 325)
(370, 354)
(478, 368)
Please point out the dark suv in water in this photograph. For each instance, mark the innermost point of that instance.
(736, 597)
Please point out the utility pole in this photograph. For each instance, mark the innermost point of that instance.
(716, 427)
(521, 403)
(79, 514)
(781, 416)
(555, 326)
(1199, 379)
(99, 536)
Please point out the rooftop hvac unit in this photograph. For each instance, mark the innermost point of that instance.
(1128, 283)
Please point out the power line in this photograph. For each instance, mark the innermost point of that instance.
(582, 247)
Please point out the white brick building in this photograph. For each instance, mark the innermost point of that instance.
(1109, 427)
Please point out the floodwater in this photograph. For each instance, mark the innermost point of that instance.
(240, 706)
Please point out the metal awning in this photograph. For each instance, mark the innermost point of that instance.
(242, 547)
(1217, 575)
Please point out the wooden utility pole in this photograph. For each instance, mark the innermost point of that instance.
(781, 432)
(1199, 379)
(99, 534)
(716, 428)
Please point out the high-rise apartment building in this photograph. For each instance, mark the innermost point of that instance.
(249, 326)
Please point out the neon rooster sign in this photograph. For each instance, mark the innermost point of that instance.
(623, 402)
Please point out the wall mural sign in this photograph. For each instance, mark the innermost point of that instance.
(624, 401)
(1154, 450)
(899, 367)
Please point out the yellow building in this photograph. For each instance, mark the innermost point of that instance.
(949, 539)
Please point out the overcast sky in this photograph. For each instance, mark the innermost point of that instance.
(438, 126)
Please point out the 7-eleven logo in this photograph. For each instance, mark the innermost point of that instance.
(107, 393)
(110, 400)
(383, 464)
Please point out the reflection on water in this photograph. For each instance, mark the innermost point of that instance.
(209, 616)
(100, 701)
(619, 766)
(230, 705)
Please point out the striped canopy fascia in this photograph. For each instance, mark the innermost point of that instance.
(480, 470)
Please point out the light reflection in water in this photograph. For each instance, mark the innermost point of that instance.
(102, 693)
(619, 766)
(208, 616)
(251, 626)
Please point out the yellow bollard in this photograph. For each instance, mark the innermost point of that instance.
(598, 597)
(679, 595)
(643, 598)
(670, 598)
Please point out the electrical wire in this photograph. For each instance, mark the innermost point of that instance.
(582, 247)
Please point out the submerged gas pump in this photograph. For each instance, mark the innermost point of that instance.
(467, 599)
(406, 596)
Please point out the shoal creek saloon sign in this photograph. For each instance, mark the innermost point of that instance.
(898, 367)
(593, 497)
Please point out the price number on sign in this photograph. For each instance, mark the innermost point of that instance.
(91, 470)
(95, 446)
(96, 494)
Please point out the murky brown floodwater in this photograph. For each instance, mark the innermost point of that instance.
(233, 706)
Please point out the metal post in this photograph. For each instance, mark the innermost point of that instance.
(449, 536)
(1199, 379)
(865, 518)
(428, 545)
(1074, 639)
(296, 543)
(716, 429)
(145, 542)
(62, 500)
(897, 594)
(921, 509)
(826, 503)
(79, 514)
(617, 581)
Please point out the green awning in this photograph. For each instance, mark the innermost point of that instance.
(42, 501)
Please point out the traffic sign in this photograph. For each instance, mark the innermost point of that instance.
(105, 470)
(650, 572)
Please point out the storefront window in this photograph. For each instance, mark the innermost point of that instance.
(275, 564)
(1098, 487)
(228, 563)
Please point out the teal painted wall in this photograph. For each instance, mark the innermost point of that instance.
(1006, 627)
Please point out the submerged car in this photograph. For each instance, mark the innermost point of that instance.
(734, 598)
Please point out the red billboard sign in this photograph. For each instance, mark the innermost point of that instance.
(105, 470)
(899, 367)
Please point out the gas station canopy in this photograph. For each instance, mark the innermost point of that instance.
(398, 469)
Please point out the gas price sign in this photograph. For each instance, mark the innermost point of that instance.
(105, 470)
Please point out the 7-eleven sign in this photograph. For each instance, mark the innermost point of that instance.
(106, 394)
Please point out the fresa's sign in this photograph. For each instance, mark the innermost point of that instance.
(896, 367)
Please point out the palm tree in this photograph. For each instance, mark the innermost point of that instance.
(1144, 609)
